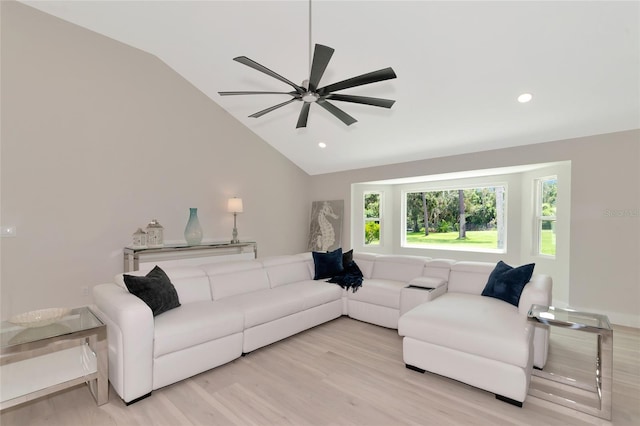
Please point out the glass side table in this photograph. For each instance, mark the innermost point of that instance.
(602, 386)
(37, 361)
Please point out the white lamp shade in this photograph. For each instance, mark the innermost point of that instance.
(234, 205)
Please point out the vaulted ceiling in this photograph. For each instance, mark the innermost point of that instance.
(460, 66)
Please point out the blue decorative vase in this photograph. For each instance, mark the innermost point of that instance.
(193, 231)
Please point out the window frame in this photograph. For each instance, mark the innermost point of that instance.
(378, 219)
(438, 188)
(538, 218)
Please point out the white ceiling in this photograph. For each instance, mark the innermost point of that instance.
(460, 67)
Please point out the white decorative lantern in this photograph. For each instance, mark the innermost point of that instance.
(155, 236)
(139, 239)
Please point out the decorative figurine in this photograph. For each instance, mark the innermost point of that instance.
(155, 237)
(139, 239)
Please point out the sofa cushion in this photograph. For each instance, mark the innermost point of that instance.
(365, 262)
(398, 267)
(234, 278)
(193, 324)
(506, 282)
(263, 306)
(470, 323)
(379, 292)
(327, 264)
(438, 268)
(315, 293)
(191, 283)
(469, 277)
(307, 256)
(155, 289)
(283, 270)
(221, 268)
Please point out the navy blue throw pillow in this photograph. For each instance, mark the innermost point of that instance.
(155, 289)
(347, 258)
(506, 282)
(327, 264)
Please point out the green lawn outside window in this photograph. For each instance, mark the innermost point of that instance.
(475, 239)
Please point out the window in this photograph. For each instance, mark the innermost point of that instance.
(372, 219)
(467, 219)
(545, 217)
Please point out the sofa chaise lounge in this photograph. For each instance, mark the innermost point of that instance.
(481, 341)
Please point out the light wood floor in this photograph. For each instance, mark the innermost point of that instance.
(344, 372)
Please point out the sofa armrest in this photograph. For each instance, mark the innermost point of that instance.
(414, 295)
(428, 282)
(537, 291)
(130, 327)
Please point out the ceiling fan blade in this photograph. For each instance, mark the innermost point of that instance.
(264, 111)
(371, 77)
(256, 66)
(340, 114)
(379, 102)
(257, 93)
(321, 56)
(304, 114)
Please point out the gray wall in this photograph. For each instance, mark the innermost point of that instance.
(605, 211)
(98, 138)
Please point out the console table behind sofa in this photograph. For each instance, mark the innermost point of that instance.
(171, 255)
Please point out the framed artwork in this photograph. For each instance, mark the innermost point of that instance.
(325, 233)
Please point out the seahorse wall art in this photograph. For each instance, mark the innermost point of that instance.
(325, 232)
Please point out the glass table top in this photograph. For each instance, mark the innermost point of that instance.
(185, 246)
(79, 319)
(569, 318)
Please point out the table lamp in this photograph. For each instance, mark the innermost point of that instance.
(234, 205)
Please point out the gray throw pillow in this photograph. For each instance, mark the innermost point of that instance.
(155, 289)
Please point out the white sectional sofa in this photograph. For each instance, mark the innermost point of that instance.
(230, 309)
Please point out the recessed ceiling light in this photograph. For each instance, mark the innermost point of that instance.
(322, 144)
(525, 97)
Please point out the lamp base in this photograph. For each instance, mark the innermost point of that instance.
(234, 234)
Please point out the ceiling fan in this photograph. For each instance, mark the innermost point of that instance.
(309, 92)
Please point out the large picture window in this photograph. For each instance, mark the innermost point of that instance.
(372, 217)
(545, 217)
(467, 219)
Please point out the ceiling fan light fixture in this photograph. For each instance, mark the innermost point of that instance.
(322, 144)
(310, 97)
